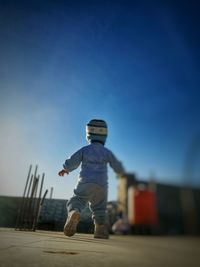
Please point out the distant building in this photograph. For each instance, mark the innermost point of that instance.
(152, 207)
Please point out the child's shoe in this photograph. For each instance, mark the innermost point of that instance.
(101, 231)
(71, 223)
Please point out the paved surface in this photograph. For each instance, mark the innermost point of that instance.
(44, 248)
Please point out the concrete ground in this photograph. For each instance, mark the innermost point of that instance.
(42, 248)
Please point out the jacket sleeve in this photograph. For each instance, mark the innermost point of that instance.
(74, 161)
(115, 164)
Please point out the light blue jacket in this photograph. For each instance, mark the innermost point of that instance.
(94, 159)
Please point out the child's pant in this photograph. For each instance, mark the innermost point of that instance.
(93, 194)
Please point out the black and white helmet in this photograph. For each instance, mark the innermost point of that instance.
(96, 130)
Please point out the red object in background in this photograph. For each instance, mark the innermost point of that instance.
(142, 208)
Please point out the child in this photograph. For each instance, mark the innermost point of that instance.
(92, 183)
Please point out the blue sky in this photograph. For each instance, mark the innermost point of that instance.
(133, 63)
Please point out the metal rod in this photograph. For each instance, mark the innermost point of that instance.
(29, 210)
(38, 203)
(36, 167)
(42, 201)
(26, 201)
(34, 204)
(33, 208)
(51, 193)
(20, 210)
(40, 207)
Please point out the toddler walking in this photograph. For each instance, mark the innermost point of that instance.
(92, 186)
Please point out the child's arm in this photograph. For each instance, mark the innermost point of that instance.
(116, 165)
(72, 163)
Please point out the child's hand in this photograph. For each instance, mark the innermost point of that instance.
(62, 172)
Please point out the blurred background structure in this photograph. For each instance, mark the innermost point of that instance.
(188, 198)
(153, 207)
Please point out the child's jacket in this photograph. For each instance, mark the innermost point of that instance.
(94, 159)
